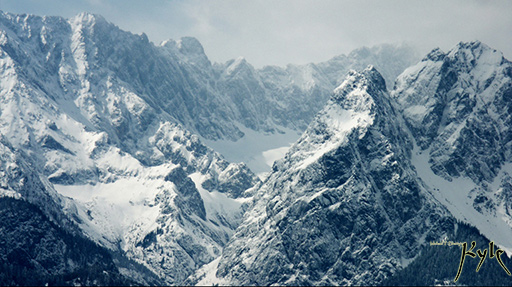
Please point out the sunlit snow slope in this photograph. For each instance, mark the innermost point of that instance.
(74, 99)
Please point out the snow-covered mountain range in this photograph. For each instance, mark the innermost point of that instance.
(340, 207)
(103, 134)
(457, 106)
(377, 175)
(120, 167)
(377, 163)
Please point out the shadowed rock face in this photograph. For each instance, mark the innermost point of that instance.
(376, 176)
(102, 116)
(357, 206)
(101, 110)
(465, 116)
(177, 76)
(35, 251)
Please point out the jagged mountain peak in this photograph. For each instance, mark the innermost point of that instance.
(466, 56)
(457, 106)
(472, 55)
(30, 28)
(190, 45)
(379, 56)
(466, 77)
(359, 91)
(369, 78)
(351, 109)
(22, 17)
(448, 89)
(475, 48)
(192, 49)
(435, 55)
(104, 35)
(345, 183)
(471, 46)
(87, 18)
(238, 62)
(239, 67)
(189, 50)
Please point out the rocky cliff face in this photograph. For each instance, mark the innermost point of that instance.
(457, 105)
(452, 100)
(377, 176)
(133, 179)
(100, 134)
(345, 200)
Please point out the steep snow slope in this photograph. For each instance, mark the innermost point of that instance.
(458, 106)
(343, 207)
(102, 118)
(100, 113)
(19, 180)
(288, 98)
(372, 167)
(217, 102)
(79, 97)
(40, 244)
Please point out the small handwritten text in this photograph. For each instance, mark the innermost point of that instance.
(444, 242)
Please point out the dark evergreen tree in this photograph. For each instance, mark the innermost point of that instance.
(35, 251)
(438, 264)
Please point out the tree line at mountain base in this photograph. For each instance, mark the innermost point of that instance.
(438, 264)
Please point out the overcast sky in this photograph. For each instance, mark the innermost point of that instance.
(296, 31)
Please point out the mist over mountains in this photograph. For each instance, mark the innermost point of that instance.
(112, 173)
